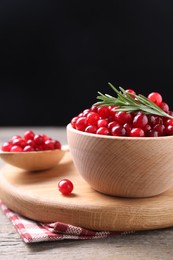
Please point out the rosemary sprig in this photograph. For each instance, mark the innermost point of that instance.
(125, 102)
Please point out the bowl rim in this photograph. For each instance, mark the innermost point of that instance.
(70, 128)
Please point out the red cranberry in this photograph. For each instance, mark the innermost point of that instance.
(152, 133)
(164, 106)
(92, 118)
(81, 123)
(102, 131)
(169, 130)
(128, 127)
(6, 146)
(103, 112)
(16, 148)
(160, 129)
(169, 121)
(102, 123)
(65, 186)
(140, 120)
(38, 139)
(118, 131)
(19, 142)
(28, 135)
(91, 129)
(112, 124)
(28, 148)
(123, 117)
(48, 145)
(137, 132)
(57, 145)
(155, 97)
(73, 121)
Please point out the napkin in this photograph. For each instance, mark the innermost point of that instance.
(33, 231)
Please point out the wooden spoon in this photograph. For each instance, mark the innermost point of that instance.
(34, 161)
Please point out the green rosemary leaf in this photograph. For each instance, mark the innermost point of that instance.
(129, 102)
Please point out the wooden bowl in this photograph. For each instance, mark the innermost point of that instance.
(33, 161)
(123, 166)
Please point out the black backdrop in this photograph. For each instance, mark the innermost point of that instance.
(56, 55)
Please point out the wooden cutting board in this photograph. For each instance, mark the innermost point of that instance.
(35, 195)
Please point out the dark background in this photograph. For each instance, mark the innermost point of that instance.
(56, 55)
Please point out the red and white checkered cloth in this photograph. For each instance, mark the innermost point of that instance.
(31, 231)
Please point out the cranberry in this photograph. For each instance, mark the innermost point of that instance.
(169, 121)
(48, 145)
(170, 112)
(164, 106)
(152, 133)
(30, 143)
(169, 130)
(16, 148)
(140, 120)
(147, 128)
(103, 112)
(131, 92)
(91, 129)
(65, 186)
(92, 118)
(112, 124)
(155, 97)
(39, 148)
(151, 119)
(111, 114)
(136, 132)
(118, 131)
(102, 131)
(102, 123)
(73, 121)
(45, 137)
(57, 144)
(128, 127)
(15, 137)
(28, 148)
(19, 141)
(81, 123)
(29, 135)
(6, 146)
(159, 120)
(38, 139)
(123, 117)
(93, 108)
(85, 112)
(160, 129)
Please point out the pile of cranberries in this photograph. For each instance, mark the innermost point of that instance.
(106, 121)
(30, 142)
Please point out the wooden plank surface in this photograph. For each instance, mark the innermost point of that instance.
(152, 244)
(22, 191)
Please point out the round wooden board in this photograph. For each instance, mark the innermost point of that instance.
(35, 195)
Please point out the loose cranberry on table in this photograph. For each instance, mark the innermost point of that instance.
(105, 119)
(29, 142)
(65, 186)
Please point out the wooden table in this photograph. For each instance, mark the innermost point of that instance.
(153, 244)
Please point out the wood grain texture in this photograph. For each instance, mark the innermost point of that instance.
(144, 245)
(35, 195)
(33, 161)
(123, 166)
